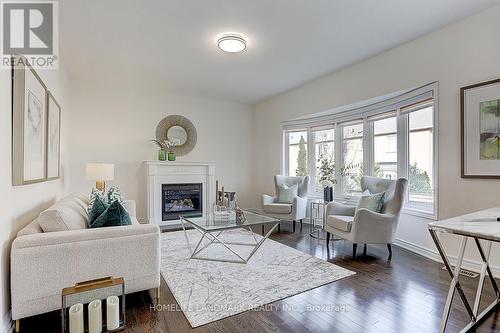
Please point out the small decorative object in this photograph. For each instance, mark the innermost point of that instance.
(240, 215)
(480, 121)
(29, 125)
(85, 292)
(180, 131)
(165, 145)
(53, 137)
(76, 318)
(162, 155)
(171, 156)
(327, 190)
(112, 313)
(95, 316)
(100, 172)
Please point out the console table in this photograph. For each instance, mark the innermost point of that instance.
(483, 228)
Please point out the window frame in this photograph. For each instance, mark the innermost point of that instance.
(394, 105)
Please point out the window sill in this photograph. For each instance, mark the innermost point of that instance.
(419, 213)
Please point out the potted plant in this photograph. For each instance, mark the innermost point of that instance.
(164, 152)
(326, 172)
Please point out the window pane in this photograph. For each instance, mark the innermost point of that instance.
(353, 157)
(297, 153)
(420, 170)
(325, 155)
(386, 148)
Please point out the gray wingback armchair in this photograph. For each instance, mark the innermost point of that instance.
(364, 226)
(295, 211)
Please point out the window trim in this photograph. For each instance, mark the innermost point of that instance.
(398, 105)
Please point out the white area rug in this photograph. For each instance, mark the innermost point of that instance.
(209, 290)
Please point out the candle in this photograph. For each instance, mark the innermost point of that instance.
(95, 316)
(216, 192)
(76, 318)
(112, 313)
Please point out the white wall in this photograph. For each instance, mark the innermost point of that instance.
(115, 124)
(463, 53)
(19, 205)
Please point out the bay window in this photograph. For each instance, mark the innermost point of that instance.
(324, 140)
(297, 153)
(352, 155)
(389, 138)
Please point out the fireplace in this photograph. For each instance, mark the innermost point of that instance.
(181, 199)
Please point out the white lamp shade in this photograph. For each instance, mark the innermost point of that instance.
(100, 171)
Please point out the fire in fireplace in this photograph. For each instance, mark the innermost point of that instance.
(181, 199)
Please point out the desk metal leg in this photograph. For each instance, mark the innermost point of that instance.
(455, 284)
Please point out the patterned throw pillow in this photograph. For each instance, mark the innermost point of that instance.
(115, 215)
(114, 194)
(373, 202)
(92, 198)
(287, 193)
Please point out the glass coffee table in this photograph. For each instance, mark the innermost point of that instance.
(212, 228)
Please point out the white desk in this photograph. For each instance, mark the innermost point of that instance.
(482, 225)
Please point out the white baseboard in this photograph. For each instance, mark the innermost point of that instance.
(471, 265)
(8, 323)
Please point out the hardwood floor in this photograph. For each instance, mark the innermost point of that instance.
(404, 294)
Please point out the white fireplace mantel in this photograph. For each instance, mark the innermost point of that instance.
(159, 173)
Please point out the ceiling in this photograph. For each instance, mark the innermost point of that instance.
(171, 43)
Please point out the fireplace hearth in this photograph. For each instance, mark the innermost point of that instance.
(180, 199)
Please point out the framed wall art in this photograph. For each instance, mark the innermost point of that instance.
(480, 130)
(29, 125)
(53, 137)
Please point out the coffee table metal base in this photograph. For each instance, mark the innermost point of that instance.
(214, 237)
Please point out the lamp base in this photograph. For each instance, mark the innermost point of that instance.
(100, 185)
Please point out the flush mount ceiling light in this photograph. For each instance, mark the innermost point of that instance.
(232, 43)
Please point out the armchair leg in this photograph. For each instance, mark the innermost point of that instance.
(354, 248)
(17, 326)
(389, 247)
(301, 223)
(364, 251)
(263, 230)
(327, 240)
(279, 227)
(294, 222)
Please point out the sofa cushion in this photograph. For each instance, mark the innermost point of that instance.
(278, 208)
(340, 222)
(67, 214)
(114, 215)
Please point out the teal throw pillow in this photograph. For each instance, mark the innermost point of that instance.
(373, 202)
(287, 193)
(115, 215)
(97, 209)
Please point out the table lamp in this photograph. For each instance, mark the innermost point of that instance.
(100, 172)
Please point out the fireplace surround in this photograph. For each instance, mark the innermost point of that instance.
(160, 173)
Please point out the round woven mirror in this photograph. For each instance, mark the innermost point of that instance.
(180, 130)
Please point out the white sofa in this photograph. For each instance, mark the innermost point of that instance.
(43, 263)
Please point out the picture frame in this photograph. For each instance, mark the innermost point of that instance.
(53, 138)
(29, 124)
(480, 130)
